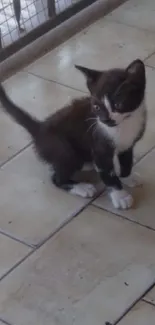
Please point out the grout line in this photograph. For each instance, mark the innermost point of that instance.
(15, 155)
(149, 66)
(148, 302)
(17, 264)
(58, 83)
(144, 156)
(62, 225)
(124, 217)
(70, 218)
(149, 56)
(133, 304)
(5, 321)
(19, 240)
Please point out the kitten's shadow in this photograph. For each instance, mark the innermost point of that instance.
(87, 177)
(141, 195)
(91, 177)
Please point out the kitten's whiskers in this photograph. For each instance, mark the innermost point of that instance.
(93, 124)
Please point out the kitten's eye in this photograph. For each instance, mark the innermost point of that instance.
(96, 107)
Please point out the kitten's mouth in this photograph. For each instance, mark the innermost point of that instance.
(113, 123)
(127, 116)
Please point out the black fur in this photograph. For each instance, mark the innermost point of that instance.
(126, 162)
(21, 117)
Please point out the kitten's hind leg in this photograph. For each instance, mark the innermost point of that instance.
(66, 163)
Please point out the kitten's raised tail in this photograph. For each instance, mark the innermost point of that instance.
(23, 118)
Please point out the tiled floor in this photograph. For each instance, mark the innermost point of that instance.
(65, 260)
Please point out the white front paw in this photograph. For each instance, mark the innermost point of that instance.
(133, 180)
(121, 199)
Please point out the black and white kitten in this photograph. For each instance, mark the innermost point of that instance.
(101, 129)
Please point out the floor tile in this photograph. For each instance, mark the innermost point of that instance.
(138, 13)
(11, 252)
(89, 273)
(148, 141)
(151, 61)
(102, 45)
(143, 210)
(141, 314)
(31, 207)
(35, 95)
(38, 96)
(12, 138)
(150, 297)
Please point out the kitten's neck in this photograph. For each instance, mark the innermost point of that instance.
(128, 132)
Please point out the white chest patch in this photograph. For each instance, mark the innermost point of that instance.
(127, 131)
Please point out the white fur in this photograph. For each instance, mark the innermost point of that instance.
(133, 180)
(121, 199)
(117, 117)
(107, 104)
(85, 190)
(126, 131)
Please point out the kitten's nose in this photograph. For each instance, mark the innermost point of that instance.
(110, 122)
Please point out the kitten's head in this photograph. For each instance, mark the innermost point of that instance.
(116, 93)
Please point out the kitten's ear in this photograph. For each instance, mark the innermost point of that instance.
(92, 76)
(136, 70)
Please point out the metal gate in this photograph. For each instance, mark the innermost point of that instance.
(22, 21)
